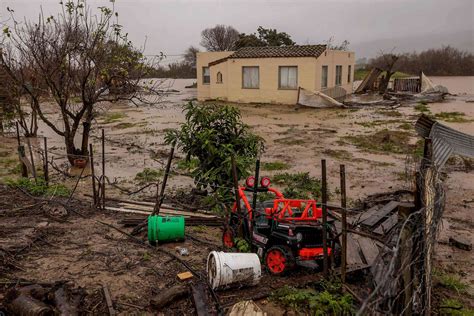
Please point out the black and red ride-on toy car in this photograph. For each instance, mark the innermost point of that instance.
(285, 232)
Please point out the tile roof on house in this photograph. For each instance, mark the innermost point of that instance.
(275, 51)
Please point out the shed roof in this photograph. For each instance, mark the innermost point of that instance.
(275, 51)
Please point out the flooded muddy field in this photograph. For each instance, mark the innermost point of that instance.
(378, 146)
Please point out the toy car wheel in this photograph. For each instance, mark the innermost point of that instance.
(228, 238)
(279, 260)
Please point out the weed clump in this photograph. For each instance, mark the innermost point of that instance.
(326, 299)
(299, 185)
(452, 117)
(275, 165)
(149, 175)
(39, 188)
(397, 142)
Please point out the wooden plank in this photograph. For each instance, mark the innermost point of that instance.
(369, 249)
(353, 256)
(108, 299)
(381, 214)
(365, 215)
(200, 299)
(165, 211)
(387, 225)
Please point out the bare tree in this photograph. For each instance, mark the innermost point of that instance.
(386, 62)
(78, 58)
(219, 38)
(190, 55)
(331, 45)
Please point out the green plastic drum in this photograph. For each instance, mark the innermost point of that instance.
(165, 228)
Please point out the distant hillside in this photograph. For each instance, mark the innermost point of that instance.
(462, 40)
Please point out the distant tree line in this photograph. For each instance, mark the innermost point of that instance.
(444, 61)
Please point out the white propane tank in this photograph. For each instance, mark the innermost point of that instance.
(227, 269)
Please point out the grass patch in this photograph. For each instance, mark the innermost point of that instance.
(39, 188)
(450, 281)
(385, 141)
(406, 126)
(299, 185)
(390, 113)
(374, 123)
(450, 306)
(422, 108)
(275, 165)
(113, 117)
(149, 175)
(453, 117)
(338, 154)
(322, 300)
(125, 125)
(290, 141)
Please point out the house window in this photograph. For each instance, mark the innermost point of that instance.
(206, 75)
(250, 78)
(338, 75)
(219, 77)
(288, 77)
(324, 77)
(349, 74)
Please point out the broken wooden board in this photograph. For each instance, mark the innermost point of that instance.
(353, 251)
(387, 225)
(365, 215)
(460, 242)
(380, 214)
(200, 299)
(368, 248)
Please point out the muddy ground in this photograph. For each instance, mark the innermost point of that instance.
(88, 253)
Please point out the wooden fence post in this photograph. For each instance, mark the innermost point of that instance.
(94, 192)
(325, 217)
(344, 223)
(21, 153)
(103, 170)
(45, 162)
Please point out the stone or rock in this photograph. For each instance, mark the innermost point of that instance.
(460, 242)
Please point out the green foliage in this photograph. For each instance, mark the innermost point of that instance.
(453, 307)
(391, 113)
(450, 281)
(275, 165)
(422, 107)
(265, 37)
(188, 164)
(39, 188)
(299, 185)
(212, 134)
(146, 256)
(453, 117)
(113, 117)
(149, 175)
(397, 142)
(242, 245)
(328, 301)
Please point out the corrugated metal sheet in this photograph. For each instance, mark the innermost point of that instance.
(445, 140)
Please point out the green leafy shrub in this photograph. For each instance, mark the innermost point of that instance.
(212, 134)
(453, 307)
(39, 188)
(299, 185)
(242, 245)
(312, 302)
(275, 165)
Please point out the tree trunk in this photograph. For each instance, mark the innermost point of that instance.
(85, 137)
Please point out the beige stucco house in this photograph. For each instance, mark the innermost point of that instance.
(273, 74)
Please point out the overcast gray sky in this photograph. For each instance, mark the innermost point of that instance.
(171, 26)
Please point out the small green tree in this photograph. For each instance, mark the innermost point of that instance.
(212, 134)
(266, 37)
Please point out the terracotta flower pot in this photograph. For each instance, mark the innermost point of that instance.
(80, 162)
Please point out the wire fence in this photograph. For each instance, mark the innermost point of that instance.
(401, 274)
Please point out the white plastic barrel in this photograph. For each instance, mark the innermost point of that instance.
(227, 269)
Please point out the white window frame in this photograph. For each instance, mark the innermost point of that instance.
(324, 79)
(204, 76)
(288, 87)
(244, 86)
(338, 75)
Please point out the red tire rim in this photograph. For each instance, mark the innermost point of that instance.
(228, 239)
(276, 261)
